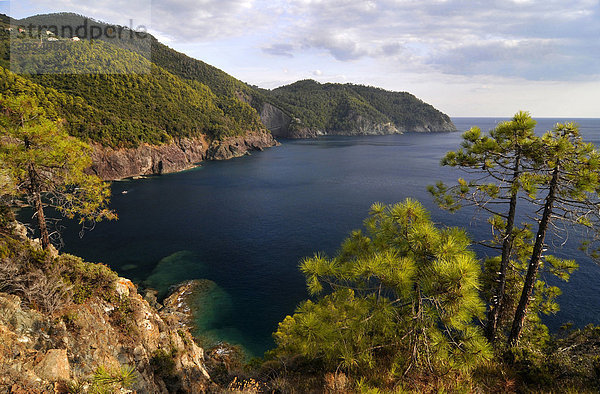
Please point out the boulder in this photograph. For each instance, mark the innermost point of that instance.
(54, 366)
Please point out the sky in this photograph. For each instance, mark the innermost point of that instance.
(465, 57)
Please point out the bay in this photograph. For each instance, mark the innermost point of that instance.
(245, 224)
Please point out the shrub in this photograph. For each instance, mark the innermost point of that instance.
(87, 279)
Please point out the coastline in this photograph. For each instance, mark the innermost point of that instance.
(111, 164)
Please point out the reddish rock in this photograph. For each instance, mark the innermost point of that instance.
(179, 155)
(54, 366)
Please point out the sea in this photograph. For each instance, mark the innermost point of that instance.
(244, 225)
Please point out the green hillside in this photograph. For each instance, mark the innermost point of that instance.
(179, 64)
(183, 96)
(137, 102)
(336, 107)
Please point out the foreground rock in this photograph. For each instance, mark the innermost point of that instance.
(179, 155)
(40, 353)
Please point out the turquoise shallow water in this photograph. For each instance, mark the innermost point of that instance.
(244, 224)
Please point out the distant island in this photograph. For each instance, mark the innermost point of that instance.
(148, 109)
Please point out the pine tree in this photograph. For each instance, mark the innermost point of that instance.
(403, 297)
(568, 171)
(495, 163)
(46, 167)
(513, 164)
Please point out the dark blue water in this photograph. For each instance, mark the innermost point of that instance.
(246, 223)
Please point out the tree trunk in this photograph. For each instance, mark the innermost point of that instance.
(534, 263)
(39, 207)
(498, 300)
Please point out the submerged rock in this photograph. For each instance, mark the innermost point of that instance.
(174, 269)
(206, 309)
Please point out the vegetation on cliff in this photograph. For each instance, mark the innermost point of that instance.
(43, 166)
(401, 299)
(109, 93)
(334, 108)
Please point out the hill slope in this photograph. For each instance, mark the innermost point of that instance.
(141, 118)
(347, 109)
(141, 102)
(303, 109)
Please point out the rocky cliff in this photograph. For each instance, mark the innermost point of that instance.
(69, 326)
(179, 155)
(282, 125)
(307, 109)
(118, 343)
(277, 121)
(362, 126)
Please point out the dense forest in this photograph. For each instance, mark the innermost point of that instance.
(115, 96)
(309, 104)
(333, 106)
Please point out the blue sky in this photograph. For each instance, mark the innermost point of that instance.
(465, 57)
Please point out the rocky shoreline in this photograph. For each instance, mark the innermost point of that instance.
(113, 164)
(283, 125)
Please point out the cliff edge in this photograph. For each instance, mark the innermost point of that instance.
(71, 326)
(178, 155)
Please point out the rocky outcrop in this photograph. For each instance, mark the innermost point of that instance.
(277, 121)
(364, 126)
(442, 126)
(41, 353)
(179, 155)
(231, 147)
(361, 126)
(54, 365)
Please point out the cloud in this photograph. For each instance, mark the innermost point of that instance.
(530, 39)
(193, 20)
(342, 46)
(181, 20)
(279, 50)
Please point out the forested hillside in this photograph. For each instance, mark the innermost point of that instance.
(152, 92)
(179, 64)
(340, 108)
(305, 108)
(136, 102)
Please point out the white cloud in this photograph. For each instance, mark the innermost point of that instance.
(546, 40)
(467, 57)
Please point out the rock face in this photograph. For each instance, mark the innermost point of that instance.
(239, 146)
(54, 366)
(37, 351)
(275, 120)
(364, 126)
(282, 126)
(442, 126)
(179, 155)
